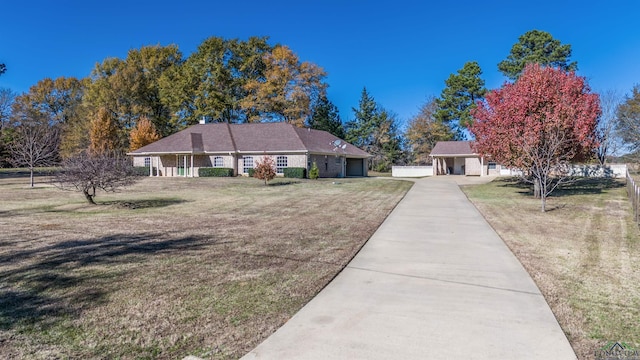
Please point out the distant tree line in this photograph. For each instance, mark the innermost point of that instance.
(155, 91)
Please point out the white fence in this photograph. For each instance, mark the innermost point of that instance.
(610, 171)
(411, 171)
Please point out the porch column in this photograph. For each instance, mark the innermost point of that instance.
(482, 166)
(192, 175)
(185, 166)
(150, 166)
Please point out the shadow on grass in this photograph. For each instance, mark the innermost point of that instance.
(45, 287)
(144, 203)
(577, 186)
(283, 182)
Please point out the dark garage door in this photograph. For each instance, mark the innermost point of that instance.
(355, 167)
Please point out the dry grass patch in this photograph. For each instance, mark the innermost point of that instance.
(173, 266)
(583, 254)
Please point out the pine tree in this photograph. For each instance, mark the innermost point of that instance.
(325, 116)
(459, 96)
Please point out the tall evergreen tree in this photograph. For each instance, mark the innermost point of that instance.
(537, 47)
(375, 130)
(459, 96)
(325, 116)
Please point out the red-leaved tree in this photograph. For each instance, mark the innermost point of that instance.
(265, 169)
(539, 124)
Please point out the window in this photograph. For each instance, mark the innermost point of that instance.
(218, 161)
(491, 165)
(281, 163)
(247, 163)
(147, 161)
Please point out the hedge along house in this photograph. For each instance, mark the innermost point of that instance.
(239, 146)
(458, 158)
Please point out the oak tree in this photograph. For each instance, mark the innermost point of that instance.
(287, 91)
(537, 47)
(424, 131)
(539, 124)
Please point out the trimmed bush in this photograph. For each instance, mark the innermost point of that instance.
(295, 172)
(251, 172)
(141, 170)
(314, 173)
(218, 172)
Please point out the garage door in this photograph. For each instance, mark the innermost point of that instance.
(355, 167)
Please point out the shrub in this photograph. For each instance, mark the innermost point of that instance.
(295, 172)
(265, 169)
(141, 170)
(251, 172)
(218, 172)
(314, 173)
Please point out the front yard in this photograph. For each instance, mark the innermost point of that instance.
(172, 266)
(584, 254)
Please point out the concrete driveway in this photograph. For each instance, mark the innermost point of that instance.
(434, 282)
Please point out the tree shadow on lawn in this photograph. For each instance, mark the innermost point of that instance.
(576, 186)
(62, 281)
(144, 203)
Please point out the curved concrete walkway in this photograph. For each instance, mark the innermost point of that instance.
(434, 282)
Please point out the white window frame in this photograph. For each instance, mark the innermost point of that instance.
(218, 161)
(492, 165)
(147, 161)
(281, 163)
(247, 163)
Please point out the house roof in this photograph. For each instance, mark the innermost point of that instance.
(453, 148)
(249, 138)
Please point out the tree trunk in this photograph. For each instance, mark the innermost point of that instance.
(536, 188)
(544, 202)
(89, 197)
(31, 176)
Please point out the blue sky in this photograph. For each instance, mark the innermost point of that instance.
(402, 51)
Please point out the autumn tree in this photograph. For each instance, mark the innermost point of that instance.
(424, 131)
(34, 140)
(88, 172)
(628, 120)
(540, 124)
(536, 47)
(288, 90)
(143, 134)
(211, 81)
(104, 133)
(325, 116)
(459, 96)
(130, 87)
(265, 169)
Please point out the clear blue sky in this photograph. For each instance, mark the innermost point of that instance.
(402, 51)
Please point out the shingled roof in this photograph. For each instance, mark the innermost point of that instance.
(248, 138)
(453, 148)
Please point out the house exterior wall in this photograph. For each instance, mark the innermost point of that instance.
(293, 160)
(472, 166)
(329, 165)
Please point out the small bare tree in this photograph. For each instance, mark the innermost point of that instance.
(88, 172)
(610, 141)
(34, 144)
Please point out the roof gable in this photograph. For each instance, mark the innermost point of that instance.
(453, 148)
(250, 138)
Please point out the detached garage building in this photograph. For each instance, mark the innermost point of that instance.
(239, 146)
(458, 158)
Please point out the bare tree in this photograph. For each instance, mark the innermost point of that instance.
(34, 144)
(6, 99)
(610, 141)
(87, 173)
